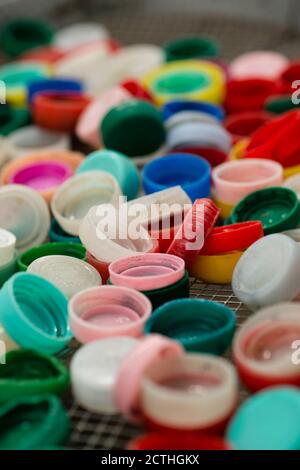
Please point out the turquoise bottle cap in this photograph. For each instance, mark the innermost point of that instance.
(44, 328)
(267, 421)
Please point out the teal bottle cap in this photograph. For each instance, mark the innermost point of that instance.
(118, 165)
(33, 422)
(191, 48)
(199, 325)
(277, 208)
(23, 34)
(134, 128)
(28, 372)
(267, 421)
(12, 119)
(57, 234)
(33, 313)
(75, 250)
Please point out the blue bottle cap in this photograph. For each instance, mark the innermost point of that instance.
(173, 107)
(52, 84)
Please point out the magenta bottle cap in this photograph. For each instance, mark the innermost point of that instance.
(42, 175)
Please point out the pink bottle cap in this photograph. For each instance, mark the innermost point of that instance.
(106, 311)
(42, 175)
(258, 64)
(128, 385)
(147, 271)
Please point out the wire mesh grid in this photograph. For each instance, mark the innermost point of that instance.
(91, 431)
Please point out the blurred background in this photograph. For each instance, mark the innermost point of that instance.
(239, 25)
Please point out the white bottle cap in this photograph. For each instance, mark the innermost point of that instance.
(7, 246)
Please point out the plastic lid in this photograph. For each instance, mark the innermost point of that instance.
(78, 34)
(277, 208)
(264, 64)
(147, 272)
(94, 370)
(264, 347)
(12, 119)
(7, 246)
(190, 392)
(191, 48)
(57, 234)
(68, 274)
(198, 325)
(41, 176)
(134, 128)
(45, 329)
(74, 198)
(267, 421)
(105, 311)
(53, 84)
(128, 386)
(178, 441)
(174, 107)
(118, 165)
(268, 272)
(44, 416)
(76, 250)
(293, 183)
(24, 213)
(28, 372)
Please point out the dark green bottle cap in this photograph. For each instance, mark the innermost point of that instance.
(280, 104)
(12, 119)
(191, 48)
(277, 208)
(27, 373)
(134, 128)
(33, 422)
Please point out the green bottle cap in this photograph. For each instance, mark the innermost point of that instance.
(8, 270)
(33, 422)
(280, 104)
(21, 35)
(191, 48)
(74, 250)
(12, 119)
(28, 372)
(277, 208)
(134, 128)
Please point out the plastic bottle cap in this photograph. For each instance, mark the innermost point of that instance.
(118, 165)
(234, 180)
(7, 270)
(78, 34)
(198, 325)
(244, 124)
(188, 117)
(44, 415)
(46, 330)
(109, 247)
(31, 139)
(229, 238)
(127, 389)
(188, 79)
(57, 234)
(28, 373)
(267, 421)
(128, 62)
(105, 311)
(264, 345)
(203, 134)
(134, 128)
(277, 208)
(74, 198)
(12, 119)
(215, 269)
(147, 272)
(59, 111)
(191, 236)
(62, 85)
(23, 34)
(172, 108)
(41, 176)
(68, 274)
(293, 183)
(94, 370)
(190, 392)
(24, 213)
(264, 64)
(268, 272)
(191, 48)
(7, 247)
(192, 173)
(178, 441)
(89, 123)
(75, 250)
